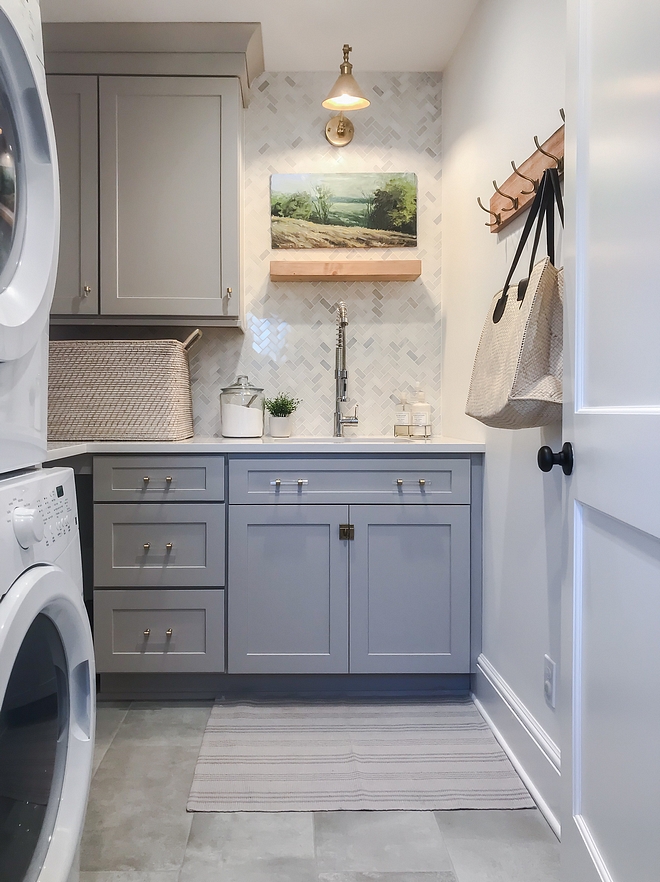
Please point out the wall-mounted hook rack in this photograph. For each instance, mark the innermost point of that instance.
(512, 197)
(498, 217)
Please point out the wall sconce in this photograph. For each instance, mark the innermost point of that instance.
(344, 95)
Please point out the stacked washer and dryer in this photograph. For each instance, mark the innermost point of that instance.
(47, 682)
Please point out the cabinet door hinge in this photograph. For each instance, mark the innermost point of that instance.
(347, 531)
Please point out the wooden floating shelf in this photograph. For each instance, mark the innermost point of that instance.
(345, 270)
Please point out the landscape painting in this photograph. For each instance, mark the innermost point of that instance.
(336, 210)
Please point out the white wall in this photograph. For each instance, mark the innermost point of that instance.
(504, 84)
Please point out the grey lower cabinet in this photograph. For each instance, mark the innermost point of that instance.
(150, 172)
(288, 596)
(410, 589)
(349, 588)
(159, 564)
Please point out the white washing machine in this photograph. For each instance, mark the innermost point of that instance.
(29, 235)
(47, 679)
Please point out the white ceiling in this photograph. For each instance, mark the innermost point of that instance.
(306, 35)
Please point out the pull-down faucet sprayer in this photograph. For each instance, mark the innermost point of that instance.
(341, 374)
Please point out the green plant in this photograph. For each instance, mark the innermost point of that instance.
(282, 405)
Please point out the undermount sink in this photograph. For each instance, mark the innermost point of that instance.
(360, 439)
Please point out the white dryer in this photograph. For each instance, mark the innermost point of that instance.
(29, 235)
(47, 679)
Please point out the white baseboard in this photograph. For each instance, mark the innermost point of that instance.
(532, 752)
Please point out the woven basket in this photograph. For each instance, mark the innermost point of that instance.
(119, 390)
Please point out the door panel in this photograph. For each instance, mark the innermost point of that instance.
(169, 195)
(410, 589)
(288, 589)
(73, 102)
(610, 669)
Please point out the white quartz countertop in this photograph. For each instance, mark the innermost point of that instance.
(370, 444)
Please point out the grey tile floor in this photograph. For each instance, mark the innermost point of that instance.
(138, 830)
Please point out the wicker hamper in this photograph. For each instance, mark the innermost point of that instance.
(119, 390)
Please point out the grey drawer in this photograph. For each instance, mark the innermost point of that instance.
(196, 620)
(178, 478)
(329, 480)
(131, 545)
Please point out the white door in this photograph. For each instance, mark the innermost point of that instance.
(611, 601)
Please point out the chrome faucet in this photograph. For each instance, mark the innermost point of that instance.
(341, 375)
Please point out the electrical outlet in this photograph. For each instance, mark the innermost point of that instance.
(549, 680)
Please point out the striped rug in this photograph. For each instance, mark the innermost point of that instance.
(267, 756)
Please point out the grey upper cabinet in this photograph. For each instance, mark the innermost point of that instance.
(169, 191)
(150, 171)
(288, 594)
(73, 100)
(410, 589)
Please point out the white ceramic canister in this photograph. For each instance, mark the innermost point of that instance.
(242, 410)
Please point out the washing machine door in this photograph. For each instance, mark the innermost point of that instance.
(46, 725)
(29, 195)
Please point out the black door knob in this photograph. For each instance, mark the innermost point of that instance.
(547, 459)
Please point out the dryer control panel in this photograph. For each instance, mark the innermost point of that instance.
(38, 516)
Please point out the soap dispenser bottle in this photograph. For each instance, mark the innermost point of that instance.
(420, 415)
(402, 416)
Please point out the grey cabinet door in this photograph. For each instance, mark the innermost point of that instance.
(288, 589)
(170, 183)
(73, 102)
(410, 589)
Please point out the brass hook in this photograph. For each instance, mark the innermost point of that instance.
(535, 184)
(496, 215)
(560, 162)
(513, 199)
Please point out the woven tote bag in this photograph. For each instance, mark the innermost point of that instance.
(517, 376)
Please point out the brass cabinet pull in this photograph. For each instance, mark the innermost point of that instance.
(147, 546)
(229, 293)
(278, 483)
(146, 479)
(146, 632)
(301, 482)
(86, 291)
(168, 633)
(168, 479)
(169, 546)
(422, 482)
(399, 482)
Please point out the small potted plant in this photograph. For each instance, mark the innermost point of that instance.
(280, 409)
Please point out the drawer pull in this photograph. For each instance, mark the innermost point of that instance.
(146, 480)
(147, 546)
(399, 482)
(299, 483)
(168, 633)
(168, 479)
(169, 546)
(422, 482)
(146, 632)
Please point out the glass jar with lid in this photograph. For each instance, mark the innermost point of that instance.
(242, 410)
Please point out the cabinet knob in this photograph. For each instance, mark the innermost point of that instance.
(169, 546)
(147, 546)
(146, 480)
(86, 291)
(399, 482)
(422, 482)
(229, 293)
(301, 483)
(168, 633)
(278, 483)
(146, 632)
(168, 479)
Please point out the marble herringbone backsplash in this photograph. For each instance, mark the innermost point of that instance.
(394, 335)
